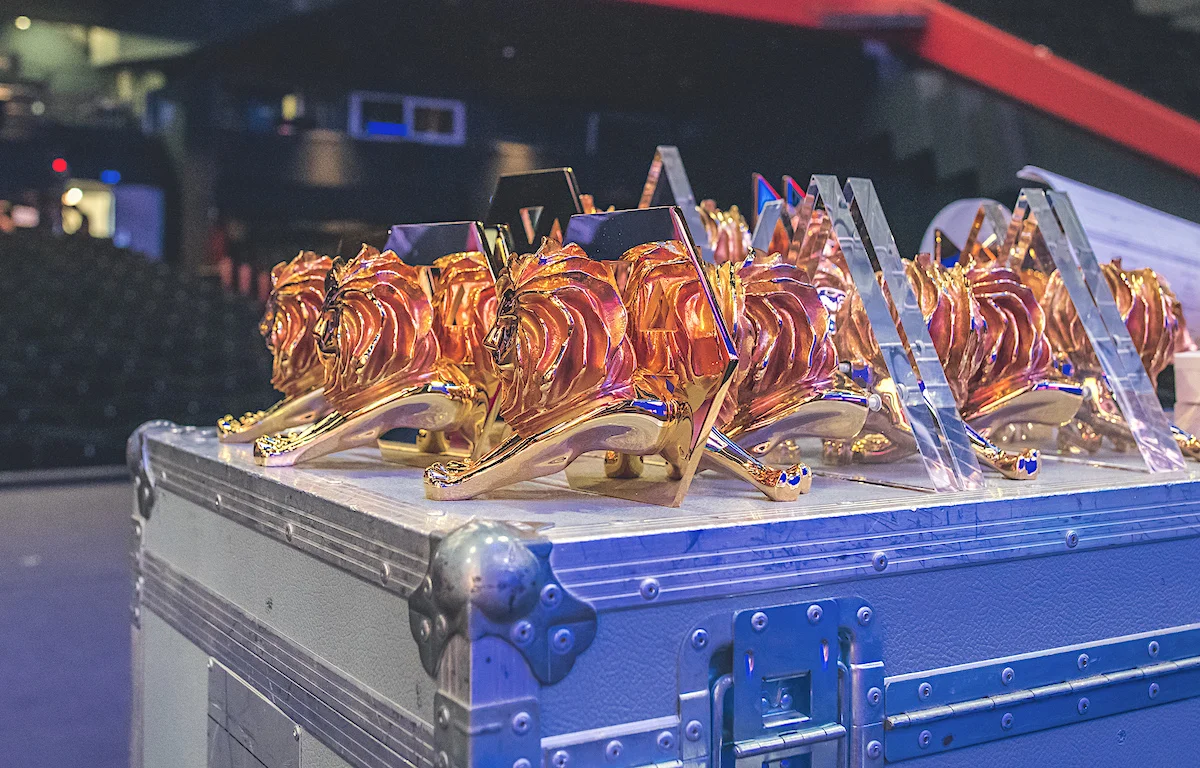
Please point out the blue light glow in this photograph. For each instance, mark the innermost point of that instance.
(382, 128)
(110, 177)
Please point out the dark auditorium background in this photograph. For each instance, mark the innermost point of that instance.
(158, 157)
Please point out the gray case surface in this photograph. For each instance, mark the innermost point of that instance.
(332, 616)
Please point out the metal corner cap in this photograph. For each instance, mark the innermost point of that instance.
(491, 578)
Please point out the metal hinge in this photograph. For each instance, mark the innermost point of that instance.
(944, 709)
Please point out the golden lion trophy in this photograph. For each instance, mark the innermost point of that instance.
(384, 364)
(460, 267)
(985, 330)
(788, 383)
(628, 356)
(293, 307)
(1154, 318)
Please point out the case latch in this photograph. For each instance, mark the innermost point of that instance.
(803, 685)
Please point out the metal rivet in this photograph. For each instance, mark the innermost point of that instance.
(924, 690)
(1082, 661)
(865, 615)
(814, 614)
(699, 639)
(924, 739)
(1153, 690)
(563, 640)
(1152, 649)
(758, 621)
(613, 751)
(785, 700)
(137, 529)
(666, 741)
(874, 696)
(1083, 705)
(289, 531)
(648, 588)
(693, 731)
(1007, 675)
(521, 722)
(211, 662)
(443, 717)
(560, 758)
(874, 750)
(443, 760)
(880, 561)
(1072, 539)
(766, 705)
(522, 763)
(218, 497)
(1006, 721)
(551, 595)
(424, 629)
(440, 625)
(385, 573)
(521, 632)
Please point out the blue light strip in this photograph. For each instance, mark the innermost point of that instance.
(382, 128)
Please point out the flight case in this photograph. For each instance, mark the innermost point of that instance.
(332, 616)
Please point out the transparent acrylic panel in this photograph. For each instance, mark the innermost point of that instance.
(771, 214)
(923, 394)
(762, 193)
(1068, 252)
(420, 245)
(606, 237)
(534, 205)
(677, 191)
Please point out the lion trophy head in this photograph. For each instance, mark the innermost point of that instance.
(376, 331)
(785, 344)
(953, 317)
(681, 354)
(293, 308)
(464, 310)
(1151, 312)
(559, 340)
(1016, 350)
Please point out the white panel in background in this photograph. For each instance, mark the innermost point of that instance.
(1137, 234)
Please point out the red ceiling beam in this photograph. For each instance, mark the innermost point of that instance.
(996, 60)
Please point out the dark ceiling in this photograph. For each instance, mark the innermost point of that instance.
(604, 54)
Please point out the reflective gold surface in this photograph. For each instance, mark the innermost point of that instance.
(787, 384)
(728, 233)
(383, 366)
(988, 330)
(624, 357)
(1154, 318)
(293, 307)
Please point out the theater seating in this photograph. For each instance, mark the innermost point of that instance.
(95, 340)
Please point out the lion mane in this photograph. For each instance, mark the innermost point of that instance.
(293, 308)
(376, 331)
(672, 323)
(953, 317)
(1152, 315)
(560, 337)
(785, 348)
(464, 309)
(1016, 350)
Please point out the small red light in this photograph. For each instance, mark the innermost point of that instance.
(59, 165)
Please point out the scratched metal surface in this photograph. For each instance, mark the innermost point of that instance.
(723, 540)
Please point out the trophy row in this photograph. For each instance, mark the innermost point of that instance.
(673, 339)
